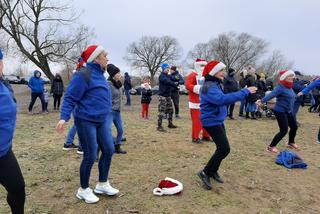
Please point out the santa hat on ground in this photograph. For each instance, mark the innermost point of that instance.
(89, 54)
(284, 74)
(212, 68)
(168, 186)
(198, 63)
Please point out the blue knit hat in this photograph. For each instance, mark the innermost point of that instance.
(165, 66)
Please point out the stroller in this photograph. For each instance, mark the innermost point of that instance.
(266, 108)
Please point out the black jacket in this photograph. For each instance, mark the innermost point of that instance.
(262, 88)
(230, 84)
(165, 85)
(251, 81)
(57, 87)
(127, 82)
(146, 95)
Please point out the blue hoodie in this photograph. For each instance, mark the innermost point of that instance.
(91, 100)
(285, 98)
(8, 111)
(313, 85)
(213, 103)
(36, 83)
(1, 55)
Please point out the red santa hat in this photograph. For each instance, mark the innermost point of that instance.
(213, 67)
(92, 52)
(199, 62)
(89, 54)
(168, 186)
(284, 74)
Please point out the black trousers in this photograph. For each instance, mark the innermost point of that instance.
(12, 180)
(319, 135)
(285, 120)
(34, 97)
(56, 101)
(315, 106)
(230, 109)
(219, 137)
(175, 99)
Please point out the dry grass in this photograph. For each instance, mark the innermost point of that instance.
(254, 183)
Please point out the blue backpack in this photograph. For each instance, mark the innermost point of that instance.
(290, 160)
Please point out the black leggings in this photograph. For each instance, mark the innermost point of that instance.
(285, 120)
(175, 99)
(56, 100)
(218, 135)
(12, 179)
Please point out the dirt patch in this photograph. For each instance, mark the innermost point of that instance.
(254, 183)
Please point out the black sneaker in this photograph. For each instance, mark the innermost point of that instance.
(196, 141)
(205, 180)
(206, 139)
(124, 139)
(217, 178)
(161, 129)
(69, 147)
(80, 151)
(171, 126)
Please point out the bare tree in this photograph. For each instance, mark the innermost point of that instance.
(150, 52)
(238, 50)
(274, 63)
(201, 51)
(38, 29)
(235, 50)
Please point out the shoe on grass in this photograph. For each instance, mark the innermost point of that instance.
(205, 179)
(272, 149)
(87, 195)
(69, 147)
(105, 188)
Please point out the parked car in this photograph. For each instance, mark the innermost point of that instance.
(12, 79)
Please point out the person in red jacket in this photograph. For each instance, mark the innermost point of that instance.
(193, 85)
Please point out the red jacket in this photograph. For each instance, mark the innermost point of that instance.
(193, 86)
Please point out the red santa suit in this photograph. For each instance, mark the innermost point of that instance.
(193, 85)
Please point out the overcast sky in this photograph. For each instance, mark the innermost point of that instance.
(291, 26)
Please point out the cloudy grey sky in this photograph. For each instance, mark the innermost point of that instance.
(291, 26)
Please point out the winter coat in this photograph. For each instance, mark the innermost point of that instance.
(8, 111)
(285, 98)
(178, 79)
(251, 81)
(116, 97)
(312, 85)
(213, 103)
(298, 86)
(127, 82)
(146, 95)
(91, 100)
(165, 85)
(230, 84)
(262, 88)
(57, 87)
(36, 83)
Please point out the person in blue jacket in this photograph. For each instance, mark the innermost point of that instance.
(10, 173)
(176, 77)
(314, 84)
(283, 110)
(165, 103)
(213, 108)
(89, 96)
(36, 84)
(298, 86)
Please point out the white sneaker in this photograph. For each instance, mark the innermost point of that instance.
(318, 142)
(87, 195)
(105, 188)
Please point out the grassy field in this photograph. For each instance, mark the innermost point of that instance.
(254, 183)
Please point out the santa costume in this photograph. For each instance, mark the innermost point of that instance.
(193, 85)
